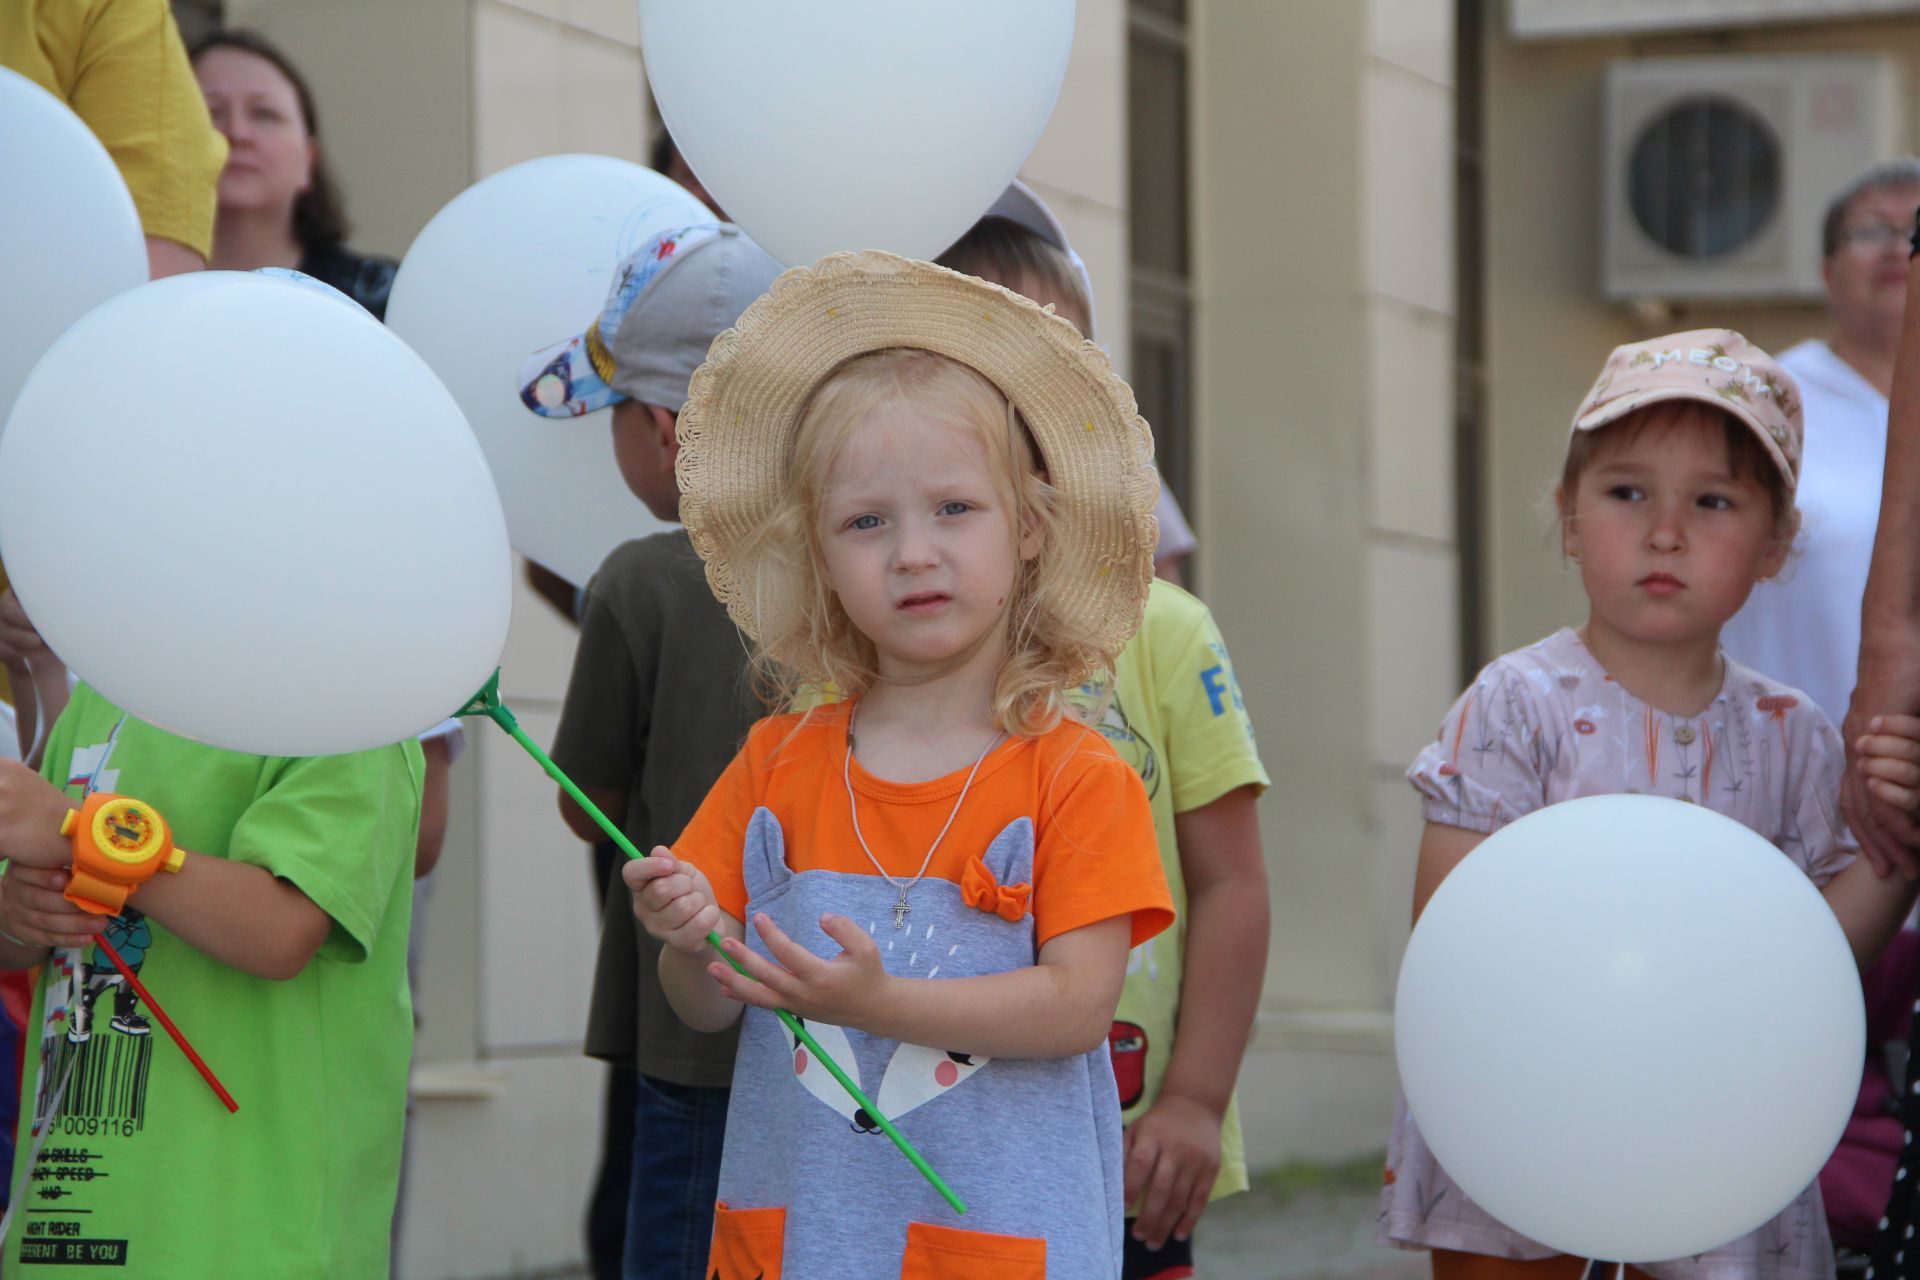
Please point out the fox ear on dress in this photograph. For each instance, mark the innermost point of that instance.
(917, 1074)
(1010, 855)
(764, 861)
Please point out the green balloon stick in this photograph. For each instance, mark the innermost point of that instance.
(487, 703)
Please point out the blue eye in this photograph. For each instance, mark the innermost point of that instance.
(955, 508)
(864, 522)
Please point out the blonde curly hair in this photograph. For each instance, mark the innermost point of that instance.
(808, 645)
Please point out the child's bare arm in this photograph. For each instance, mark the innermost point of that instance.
(1060, 1006)
(1868, 907)
(432, 836)
(235, 912)
(608, 800)
(1173, 1148)
(1441, 850)
(238, 913)
(675, 904)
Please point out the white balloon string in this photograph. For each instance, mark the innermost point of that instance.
(32, 758)
(45, 678)
(25, 1175)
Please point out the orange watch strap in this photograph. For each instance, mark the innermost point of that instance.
(90, 893)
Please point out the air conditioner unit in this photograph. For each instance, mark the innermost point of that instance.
(1719, 170)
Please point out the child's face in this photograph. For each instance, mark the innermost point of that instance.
(1668, 540)
(918, 539)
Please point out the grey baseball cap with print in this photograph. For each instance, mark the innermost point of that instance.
(670, 299)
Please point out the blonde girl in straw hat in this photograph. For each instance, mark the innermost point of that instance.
(929, 495)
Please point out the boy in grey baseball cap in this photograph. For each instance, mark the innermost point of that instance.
(670, 298)
(657, 703)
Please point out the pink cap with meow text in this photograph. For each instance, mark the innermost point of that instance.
(1714, 366)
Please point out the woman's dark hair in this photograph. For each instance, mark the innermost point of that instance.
(319, 219)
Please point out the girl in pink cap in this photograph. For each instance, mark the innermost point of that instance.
(1675, 499)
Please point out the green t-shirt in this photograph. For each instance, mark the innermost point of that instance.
(1177, 717)
(143, 1169)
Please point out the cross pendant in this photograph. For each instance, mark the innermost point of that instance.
(900, 910)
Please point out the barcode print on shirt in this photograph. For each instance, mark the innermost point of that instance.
(110, 1078)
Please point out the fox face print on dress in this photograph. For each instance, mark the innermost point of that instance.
(796, 1144)
(915, 1074)
(960, 940)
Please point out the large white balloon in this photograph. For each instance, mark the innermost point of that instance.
(248, 513)
(1629, 1027)
(69, 235)
(822, 125)
(516, 262)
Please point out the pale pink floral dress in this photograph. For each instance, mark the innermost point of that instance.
(1545, 724)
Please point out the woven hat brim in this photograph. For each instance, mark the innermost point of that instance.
(746, 400)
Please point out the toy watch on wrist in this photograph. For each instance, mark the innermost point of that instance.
(118, 843)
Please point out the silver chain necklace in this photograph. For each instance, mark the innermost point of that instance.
(901, 909)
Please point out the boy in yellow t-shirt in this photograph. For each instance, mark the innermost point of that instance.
(1176, 715)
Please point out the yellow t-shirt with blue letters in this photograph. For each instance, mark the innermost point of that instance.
(1175, 715)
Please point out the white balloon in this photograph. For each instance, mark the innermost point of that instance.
(249, 514)
(823, 125)
(69, 235)
(516, 262)
(1629, 1027)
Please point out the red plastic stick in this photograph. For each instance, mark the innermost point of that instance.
(146, 998)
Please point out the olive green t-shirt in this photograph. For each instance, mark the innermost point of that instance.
(658, 705)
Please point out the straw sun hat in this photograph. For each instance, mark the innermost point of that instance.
(746, 401)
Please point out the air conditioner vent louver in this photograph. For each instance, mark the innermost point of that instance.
(1704, 177)
(1718, 170)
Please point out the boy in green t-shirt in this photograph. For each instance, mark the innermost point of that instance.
(278, 945)
(1175, 714)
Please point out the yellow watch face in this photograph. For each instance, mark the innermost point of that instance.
(126, 831)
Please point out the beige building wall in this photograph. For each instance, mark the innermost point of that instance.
(1323, 190)
(1548, 327)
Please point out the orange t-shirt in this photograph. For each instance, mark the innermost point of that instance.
(1095, 855)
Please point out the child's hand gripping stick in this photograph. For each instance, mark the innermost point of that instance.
(487, 703)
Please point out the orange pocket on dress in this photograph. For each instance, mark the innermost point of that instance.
(948, 1253)
(747, 1243)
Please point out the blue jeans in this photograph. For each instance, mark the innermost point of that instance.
(677, 1134)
